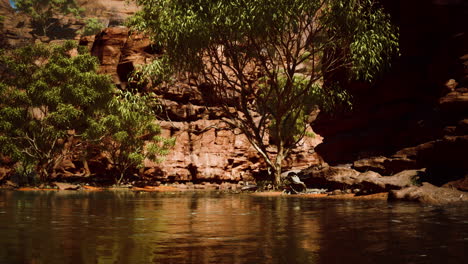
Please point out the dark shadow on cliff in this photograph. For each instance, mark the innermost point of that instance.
(401, 109)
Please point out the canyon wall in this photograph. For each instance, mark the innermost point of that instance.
(206, 148)
(415, 116)
(17, 30)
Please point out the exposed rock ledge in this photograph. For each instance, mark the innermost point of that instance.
(429, 194)
(401, 186)
(347, 178)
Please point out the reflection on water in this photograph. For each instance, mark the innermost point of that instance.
(126, 227)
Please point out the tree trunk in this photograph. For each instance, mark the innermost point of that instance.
(277, 175)
(119, 180)
(43, 174)
(278, 168)
(86, 168)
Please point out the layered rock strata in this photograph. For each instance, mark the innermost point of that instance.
(17, 30)
(206, 148)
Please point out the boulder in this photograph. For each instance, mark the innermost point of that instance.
(329, 177)
(371, 182)
(374, 164)
(384, 165)
(446, 159)
(4, 172)
(461, 184)
(462, 127)
(454, 105)
(429, 194)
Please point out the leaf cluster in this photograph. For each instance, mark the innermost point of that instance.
(92, 26)
(47, 94)
(365, 33)
(52, 94)
(129, 132)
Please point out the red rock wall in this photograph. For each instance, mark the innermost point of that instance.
(206, 149)
(17, 29)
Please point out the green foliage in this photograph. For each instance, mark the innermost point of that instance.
(2, 20)
(374, 39)
(270, 56)
(42, 11)
(124, 130)
(304, 102)
(47, 96)
(152, 74)
(92, 27)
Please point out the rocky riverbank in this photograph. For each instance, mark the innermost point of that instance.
(407, 134)
(424, 193)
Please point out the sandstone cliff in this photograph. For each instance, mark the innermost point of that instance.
(414, 117)
(206, 149)
(17, 30)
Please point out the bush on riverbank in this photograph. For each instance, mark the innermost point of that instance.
(54, 106)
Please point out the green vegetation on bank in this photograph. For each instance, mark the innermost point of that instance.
(54, 105)
(42, 12)
(266, 61)
(128, 124)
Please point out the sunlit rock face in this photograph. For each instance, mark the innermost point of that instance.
(5, 7)
(17, 29)
(111, 12)
(206, 148)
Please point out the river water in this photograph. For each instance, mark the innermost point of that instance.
(195, 227)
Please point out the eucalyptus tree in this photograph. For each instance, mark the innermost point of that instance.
(47, 95)
(265, 60)
(43, 11)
